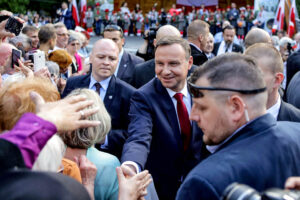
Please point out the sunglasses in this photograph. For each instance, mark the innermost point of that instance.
(195, 90)
(112, 27)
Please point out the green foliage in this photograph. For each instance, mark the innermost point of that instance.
(15, 6)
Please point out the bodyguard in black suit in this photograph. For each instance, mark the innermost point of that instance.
(269, 61)
(197, 32)
(227, 45)
(292, 92)
(114, 92)
(127, 61)
(160, 140)
(246, 145)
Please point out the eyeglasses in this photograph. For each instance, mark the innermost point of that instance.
(63, 34)
(111, 27)
(195, 90)
(73, 44)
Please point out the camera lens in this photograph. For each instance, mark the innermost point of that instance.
(241, 192)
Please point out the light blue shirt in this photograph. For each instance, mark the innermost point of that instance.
(104, 85)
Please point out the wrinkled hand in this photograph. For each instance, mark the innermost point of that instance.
(88, 172)
(293, 183)
(65, 114)
(134, 187)
(24, 69)
(43, 73)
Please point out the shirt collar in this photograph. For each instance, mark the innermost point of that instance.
(196, 47)
(184, 91)
(104, 83)
(121, 55)
(274, 110)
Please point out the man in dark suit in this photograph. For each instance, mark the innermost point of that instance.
(269, 61)
(246, 145)
(159, 140)
(292, 93)
(227, 45)
(127, 61)
(114, 92)
(197, 34)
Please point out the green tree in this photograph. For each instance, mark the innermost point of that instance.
(15, 6)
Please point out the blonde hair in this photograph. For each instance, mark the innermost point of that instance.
(86, 137)
(15, 99)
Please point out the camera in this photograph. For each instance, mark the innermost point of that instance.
(150, 48)
(236, 191)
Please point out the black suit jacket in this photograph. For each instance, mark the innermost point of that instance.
(288, 112)
(155, 142)
(292, 92)
(127, 65)
(198, 57)
(144, 72)
(235, 48)
(116, 101)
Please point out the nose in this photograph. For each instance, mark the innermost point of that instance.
(166, 70)
(106, 61)
(194, 115)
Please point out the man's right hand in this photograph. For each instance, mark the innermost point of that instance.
(128, 170)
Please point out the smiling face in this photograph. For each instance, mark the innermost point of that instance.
(171, 66)
(104, 59)
(62, 37)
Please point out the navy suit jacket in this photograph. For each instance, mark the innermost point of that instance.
(235, 48)
(127, 65)
(117, 103)
(292, 92)
(155, 142)
(288, 112)
(262, 155)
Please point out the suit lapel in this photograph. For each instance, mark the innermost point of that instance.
(110, 93)
(123, 65)
(169, 110)
(85, 82)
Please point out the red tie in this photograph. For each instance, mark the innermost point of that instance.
(184, 121)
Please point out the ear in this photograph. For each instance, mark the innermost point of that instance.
(200, 38)
(123, 41)
(236, 108)
(278, 79)
(154, 42)
(190, 62)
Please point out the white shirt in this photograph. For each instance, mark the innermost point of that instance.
(222, 48)
(120, 58)
(274, 110)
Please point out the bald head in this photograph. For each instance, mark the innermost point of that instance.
(257, 35)
(98, 46)
(167, 30)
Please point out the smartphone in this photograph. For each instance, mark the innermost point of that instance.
(3, 17)
(16, 54)
(39, 60)
(13, 25)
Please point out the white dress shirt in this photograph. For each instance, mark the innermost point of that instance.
(274, 110)
(222, 48)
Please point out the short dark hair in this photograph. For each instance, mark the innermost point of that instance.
(229, 27)
(29, 28)
(46, 33)
(113, 27)
(231, 70)
(169, 40)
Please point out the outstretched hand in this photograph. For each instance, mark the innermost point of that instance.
(134, 187)
(293, 183)
(66, 114)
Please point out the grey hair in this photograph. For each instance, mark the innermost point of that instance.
(284, 40)
(51, 155)
(24, 39)
(86, 137)
(52, 67)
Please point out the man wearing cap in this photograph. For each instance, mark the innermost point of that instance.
(98, 18)
(127, 61)
(114, 92)
(245, 144)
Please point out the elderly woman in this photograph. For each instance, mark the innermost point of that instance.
(74, 44)
(81, 142)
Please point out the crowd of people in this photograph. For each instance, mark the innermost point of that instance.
(181, 121)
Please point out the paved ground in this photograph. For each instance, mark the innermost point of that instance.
(131, 43)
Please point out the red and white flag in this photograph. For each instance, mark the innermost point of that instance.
(279, 17)
(82, 12)
(292, 19)
(75, 12)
